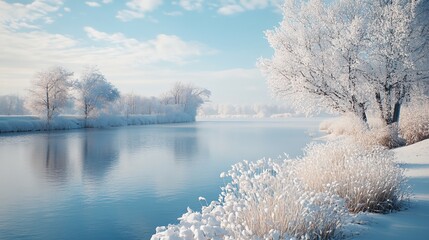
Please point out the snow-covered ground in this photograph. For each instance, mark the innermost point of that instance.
(412, 223)
(33, 123)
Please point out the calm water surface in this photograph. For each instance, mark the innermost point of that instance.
(121, 183)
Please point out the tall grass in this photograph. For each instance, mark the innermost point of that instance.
(413, 127)
(414, 122)
(371, 134)
(367, 178)
(271, 202)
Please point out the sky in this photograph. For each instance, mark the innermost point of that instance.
(141, 46)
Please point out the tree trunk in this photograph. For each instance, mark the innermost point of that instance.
(396, 112)
(86, 115)
(48, 108)
(362, 113)
(393, 128)
(86, 112)
(359, 110)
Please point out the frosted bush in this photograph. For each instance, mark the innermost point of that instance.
(374, 133)
(367, 179)
(414, 122)
(196, 225)
(384, 136)
(263, 201)
(344, 125)
(269, 202)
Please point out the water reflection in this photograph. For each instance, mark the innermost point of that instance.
(122, 182)
(50, 157)
(100, 151)
(59, 156)
(186, 145)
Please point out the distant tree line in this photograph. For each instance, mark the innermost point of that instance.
(246, 110)
(54, 91)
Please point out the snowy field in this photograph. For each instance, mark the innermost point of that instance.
(412, 223)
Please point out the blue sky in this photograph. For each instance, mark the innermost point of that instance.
(142, 46)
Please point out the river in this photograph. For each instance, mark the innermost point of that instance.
(120, 183)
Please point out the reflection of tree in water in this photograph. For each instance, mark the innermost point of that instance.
(181, 141)
(186, 145)
(100, 152)
(50, 156)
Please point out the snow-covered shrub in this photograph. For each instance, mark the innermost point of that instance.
(263, 201)
(374, 133)
(196, 225)
(384, 136)
(414, 122)
(367, 178)
(345, 125)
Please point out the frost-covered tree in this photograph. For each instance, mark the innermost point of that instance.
(131, 102)
(389, 67)
(50, 92)
(420, 53)
(316, 56)
(187, 96)
(11, 105)
(94, 91)
(135, 104)
(347, 56)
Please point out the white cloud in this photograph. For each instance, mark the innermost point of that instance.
(66, 9)
(230, 9)
(93, 4)
(102, 36)
(144, 5)
(174, 13)
(30, 16)
(107, 1)
(128, 15)
(191, 5)
(137, 9)
(164, 48)
(253, 4)
(48, 20)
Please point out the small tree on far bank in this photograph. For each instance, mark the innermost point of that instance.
(187, 96)
(12, 105)
(50, 92)
(94, 91)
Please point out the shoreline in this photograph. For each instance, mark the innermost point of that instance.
(21, 124)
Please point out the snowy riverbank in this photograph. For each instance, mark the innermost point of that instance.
(365, 181)
(411, 223)
(33, 123)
